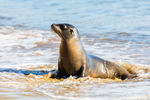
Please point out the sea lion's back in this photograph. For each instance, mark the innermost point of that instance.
(96, 66)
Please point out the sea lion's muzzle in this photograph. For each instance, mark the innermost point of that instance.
(56, 28)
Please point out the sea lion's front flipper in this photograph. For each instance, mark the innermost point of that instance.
(53, 73)
(81, 71)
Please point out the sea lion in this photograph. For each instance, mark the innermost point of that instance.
(73, 59)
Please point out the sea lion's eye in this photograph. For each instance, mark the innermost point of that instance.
(61, 26)
(71, 31)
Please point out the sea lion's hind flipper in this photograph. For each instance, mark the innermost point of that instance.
(130, 76)
(126, 76)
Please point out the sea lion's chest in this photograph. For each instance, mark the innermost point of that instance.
(71, 56)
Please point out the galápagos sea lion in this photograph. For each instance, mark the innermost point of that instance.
(73, 59)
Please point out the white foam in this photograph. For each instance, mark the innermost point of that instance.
(19, 46)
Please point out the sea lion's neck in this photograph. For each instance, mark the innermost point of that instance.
(71, 47)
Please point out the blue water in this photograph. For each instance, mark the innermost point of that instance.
(116, 30)
(90, 16)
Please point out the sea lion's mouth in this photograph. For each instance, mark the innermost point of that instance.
(57, 30)
(54, 27)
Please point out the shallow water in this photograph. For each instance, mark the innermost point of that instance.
(114, 30)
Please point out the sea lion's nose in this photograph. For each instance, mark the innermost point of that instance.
(53, 25)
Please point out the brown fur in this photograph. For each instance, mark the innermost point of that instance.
(73, 60)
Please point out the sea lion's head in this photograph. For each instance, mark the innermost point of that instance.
(65, 31)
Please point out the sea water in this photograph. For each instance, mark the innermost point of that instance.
(116, 30)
